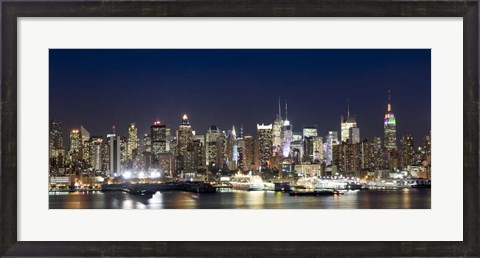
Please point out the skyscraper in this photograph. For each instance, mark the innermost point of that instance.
(84, 144)
(147, 142)
(232, 149)
(75, 146)
(308, 133)
(407, 157)
(378, 154)
(114, 142)
(158, 138)
(184, 136)
(331, 140)
(211, 138)
(132, 145)
(249, 153)
(347, 123)
(277, 132)
(56, 150)
(317, 149)
(287, 134)
(96, 153)
(354, 135)
(264, 136)
(184, 153)
(389, 126)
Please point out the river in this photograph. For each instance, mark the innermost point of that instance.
(234, 199)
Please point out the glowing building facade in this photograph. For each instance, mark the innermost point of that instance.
(277, 132)
(75, 145)
(287, 135)
(114, 142)
(354, 135)
(211, 138)
(347, 123)
(184, 136)
(330, 141)
(96, 153)
(56, 150)
(390, 131)
(407, 157)
(264, 135)
(132, 144)
(310, 131)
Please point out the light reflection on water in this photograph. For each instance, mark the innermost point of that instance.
(233, 199)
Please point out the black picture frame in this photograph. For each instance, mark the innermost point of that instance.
(11, 10)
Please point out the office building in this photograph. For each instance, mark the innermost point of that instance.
(347, 123)
(132, 144)
(277, 132)
(264, 138)
(390, 131)
(407, 147)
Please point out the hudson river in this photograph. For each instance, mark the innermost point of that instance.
(233, 199)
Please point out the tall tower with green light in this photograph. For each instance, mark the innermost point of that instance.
(390, 128)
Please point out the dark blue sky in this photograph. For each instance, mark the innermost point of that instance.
(99, 88)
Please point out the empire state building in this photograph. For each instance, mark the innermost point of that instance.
(389, 126)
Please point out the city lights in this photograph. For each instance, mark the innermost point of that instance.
(208, 122)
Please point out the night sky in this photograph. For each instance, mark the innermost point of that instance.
(225, 87)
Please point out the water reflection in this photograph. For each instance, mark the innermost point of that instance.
(234, 199)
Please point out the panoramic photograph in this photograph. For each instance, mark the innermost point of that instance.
(239, 129)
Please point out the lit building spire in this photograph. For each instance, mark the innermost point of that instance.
(389, 107)
(185, 120)
(279, 109)
(348, 108)
(286, 110)
(390, 131)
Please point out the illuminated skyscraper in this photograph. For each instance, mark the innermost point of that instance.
(407, 157)
(264, 135)
(249, 153)
(277, 132)
(347, 123)
(232, 149)
(75, 146)
(221, 156)
(184, 136)
(184, 155)
(317, 149)
(354, 135)
(287, 134)
(378, 154)
(114, 142)
(84, 144)
(307, 149)
(147, 142)
(96, 149)
(123, 151)
(309, 132)
(331, 140)
(56, 150)
(147, 151)
(211, 138)
(132, 145)
(158, 138)
(389, 126)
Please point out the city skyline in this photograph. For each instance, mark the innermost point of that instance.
(76, 108)
(162, 124)
(115, 129)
